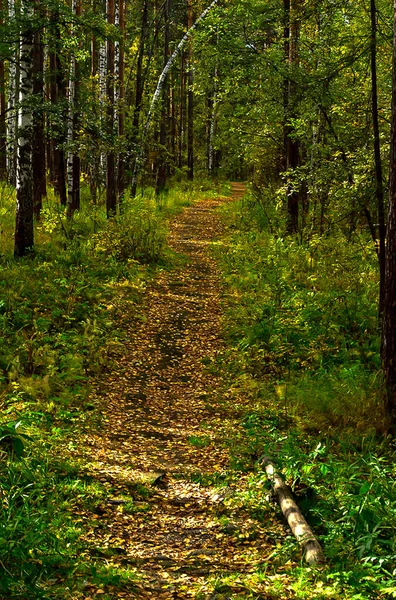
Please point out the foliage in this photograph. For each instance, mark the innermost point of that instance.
(307, 317)
(59, 316)
(302, 364)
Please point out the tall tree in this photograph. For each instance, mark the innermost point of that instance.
(292, 7)
(39, 146)
(121, 103)
(379, 186)
(3, 126)
(190, 103)
(24, 184)
(162, 163)
(111, 192)
(73, 158)
(389, 314)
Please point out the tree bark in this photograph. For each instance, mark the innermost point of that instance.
(292, 145)
(389, 314)
(39, 146)
(121, 106)
(3, 127)
(73, 159)
(139, 88)
(111, 192)
(379, 186)
(24, 184)
(161, 175)
(190, 103)
(58, 100)
(13, 95)
(313, 552)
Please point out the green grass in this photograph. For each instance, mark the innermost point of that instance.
(60, 311)
(302, 365)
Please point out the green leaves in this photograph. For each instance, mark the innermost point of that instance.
(13, 440)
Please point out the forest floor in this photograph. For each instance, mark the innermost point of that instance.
(161, 452)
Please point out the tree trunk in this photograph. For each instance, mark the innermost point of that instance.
(389, 314)
(121, 107)
(190, 96)
(182, 109)
(158, 90)
(39, 146)
(3, 131)
(111, 192)
(73, 159)
(13, 95)
(58, 98)
(3, 127)
(139, 86)
(379, 187)
(212, 125)
(161, 175)
(292, 148)
(313, 552)
(24, 185)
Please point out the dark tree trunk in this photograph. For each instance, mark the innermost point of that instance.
(3, 132)
(161, 175)
(111, 192)
(190, 95)
(24, 189)
(74, 163)
(53, 160)
(182, 109)
(58, 99)
(286, 49)
(389, 313)
(3, 126)
(139, 86)
(379, 187)
(292, 150)
(39, 145)
(121, 109)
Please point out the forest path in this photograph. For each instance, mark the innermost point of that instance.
(159, 453)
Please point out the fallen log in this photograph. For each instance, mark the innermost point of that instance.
(312, 550)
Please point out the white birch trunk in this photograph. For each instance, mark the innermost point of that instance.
(158, 91)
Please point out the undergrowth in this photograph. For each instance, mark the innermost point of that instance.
(303, 367)
(60, 311)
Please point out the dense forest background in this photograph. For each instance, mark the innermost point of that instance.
(116, 115)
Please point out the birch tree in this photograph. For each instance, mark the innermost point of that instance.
(158, 91)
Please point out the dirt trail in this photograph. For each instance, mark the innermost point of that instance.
(161, 427)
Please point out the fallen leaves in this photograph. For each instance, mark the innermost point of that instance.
(162, 424)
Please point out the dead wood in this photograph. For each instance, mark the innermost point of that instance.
(313, 552)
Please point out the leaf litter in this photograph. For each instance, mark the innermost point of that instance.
(160, 453)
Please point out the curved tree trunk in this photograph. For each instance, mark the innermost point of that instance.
(158, 91)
